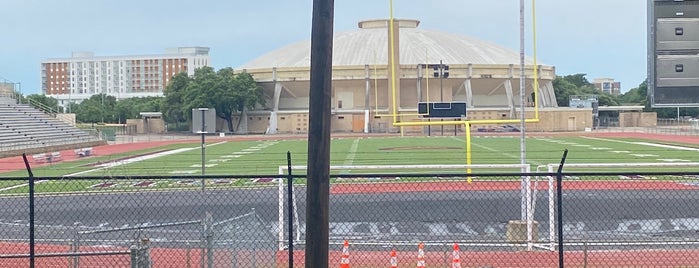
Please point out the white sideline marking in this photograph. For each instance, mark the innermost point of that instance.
(140, 158)
(496, 151)
(220, 160)
(20, 185)
(620, 152)
(239, 153)
(251, 149)
(600, 148)
(672, 160)
(132, 160)
(648, 144)
(207, 165)
(113, 164)
(350, 155)
(668, 146)
(655, 145)
(645, 155)
(184, 171)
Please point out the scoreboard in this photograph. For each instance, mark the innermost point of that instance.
(673, 53)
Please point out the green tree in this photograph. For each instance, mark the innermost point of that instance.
(45, 101)
(636, 95)
(98, 108)
(563, 90)
(229, 93)
(173, 104)
(132, 107)
(578, 80)
(88, 111)
(577, 84)
(606, 99)
(248, 94)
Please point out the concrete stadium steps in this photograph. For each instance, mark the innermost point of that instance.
(24, 128)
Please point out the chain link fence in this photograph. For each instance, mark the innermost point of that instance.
(608, 220)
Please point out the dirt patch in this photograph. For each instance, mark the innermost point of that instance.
(399, 148)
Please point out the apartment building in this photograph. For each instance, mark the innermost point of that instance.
(607, 85)
(82, 75)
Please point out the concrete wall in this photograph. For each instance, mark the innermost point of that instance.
(638, 119)
(550, 120)
(147, 125)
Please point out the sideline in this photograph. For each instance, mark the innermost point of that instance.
(349, 159)
(117, 163)
(647, 144)
(509, 155)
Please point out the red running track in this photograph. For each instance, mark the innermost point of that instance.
(16, 163)
(183, 258)
(458, 186)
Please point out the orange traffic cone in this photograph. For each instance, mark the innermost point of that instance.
(455, 259)
(421, 256)
(394, 259)
(344, 261)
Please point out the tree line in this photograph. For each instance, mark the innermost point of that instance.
(577, 84)
(231, 94)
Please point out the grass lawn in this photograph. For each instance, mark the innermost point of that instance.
(265, 157)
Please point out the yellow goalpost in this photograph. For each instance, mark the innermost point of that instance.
(467, 123)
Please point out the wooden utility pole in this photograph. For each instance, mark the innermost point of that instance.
(318, 197)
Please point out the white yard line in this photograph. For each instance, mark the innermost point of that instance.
(116, 163)
(132, 160)
(509, 155)
(664, 146)
(648, 144)
(349, 159)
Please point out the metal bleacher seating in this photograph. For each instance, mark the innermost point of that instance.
(25, 128)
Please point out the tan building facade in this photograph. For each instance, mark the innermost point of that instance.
(364, 99)
(83, 74)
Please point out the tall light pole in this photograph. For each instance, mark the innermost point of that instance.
(441, 71)
(203, 145)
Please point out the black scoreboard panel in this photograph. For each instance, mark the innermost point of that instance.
(441, 109)
(673, 53)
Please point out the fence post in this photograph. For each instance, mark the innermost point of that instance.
(133, 253)
(76, 245)
(31, 210)
(559, 201)
(189, 249)
(140, 254)
(290, 204)
(145, 253)
(209, 233)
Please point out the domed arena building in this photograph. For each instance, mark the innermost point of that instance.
(483, 75)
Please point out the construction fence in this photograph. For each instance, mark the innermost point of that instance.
(376, 220)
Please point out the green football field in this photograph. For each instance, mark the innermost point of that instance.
(265, 157)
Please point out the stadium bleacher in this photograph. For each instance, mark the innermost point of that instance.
(25, 129)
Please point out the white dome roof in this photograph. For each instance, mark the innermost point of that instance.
(370, 45)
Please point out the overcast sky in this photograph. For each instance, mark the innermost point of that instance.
(602, 38)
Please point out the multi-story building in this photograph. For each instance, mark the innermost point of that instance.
(607, 85)
(82, 75)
